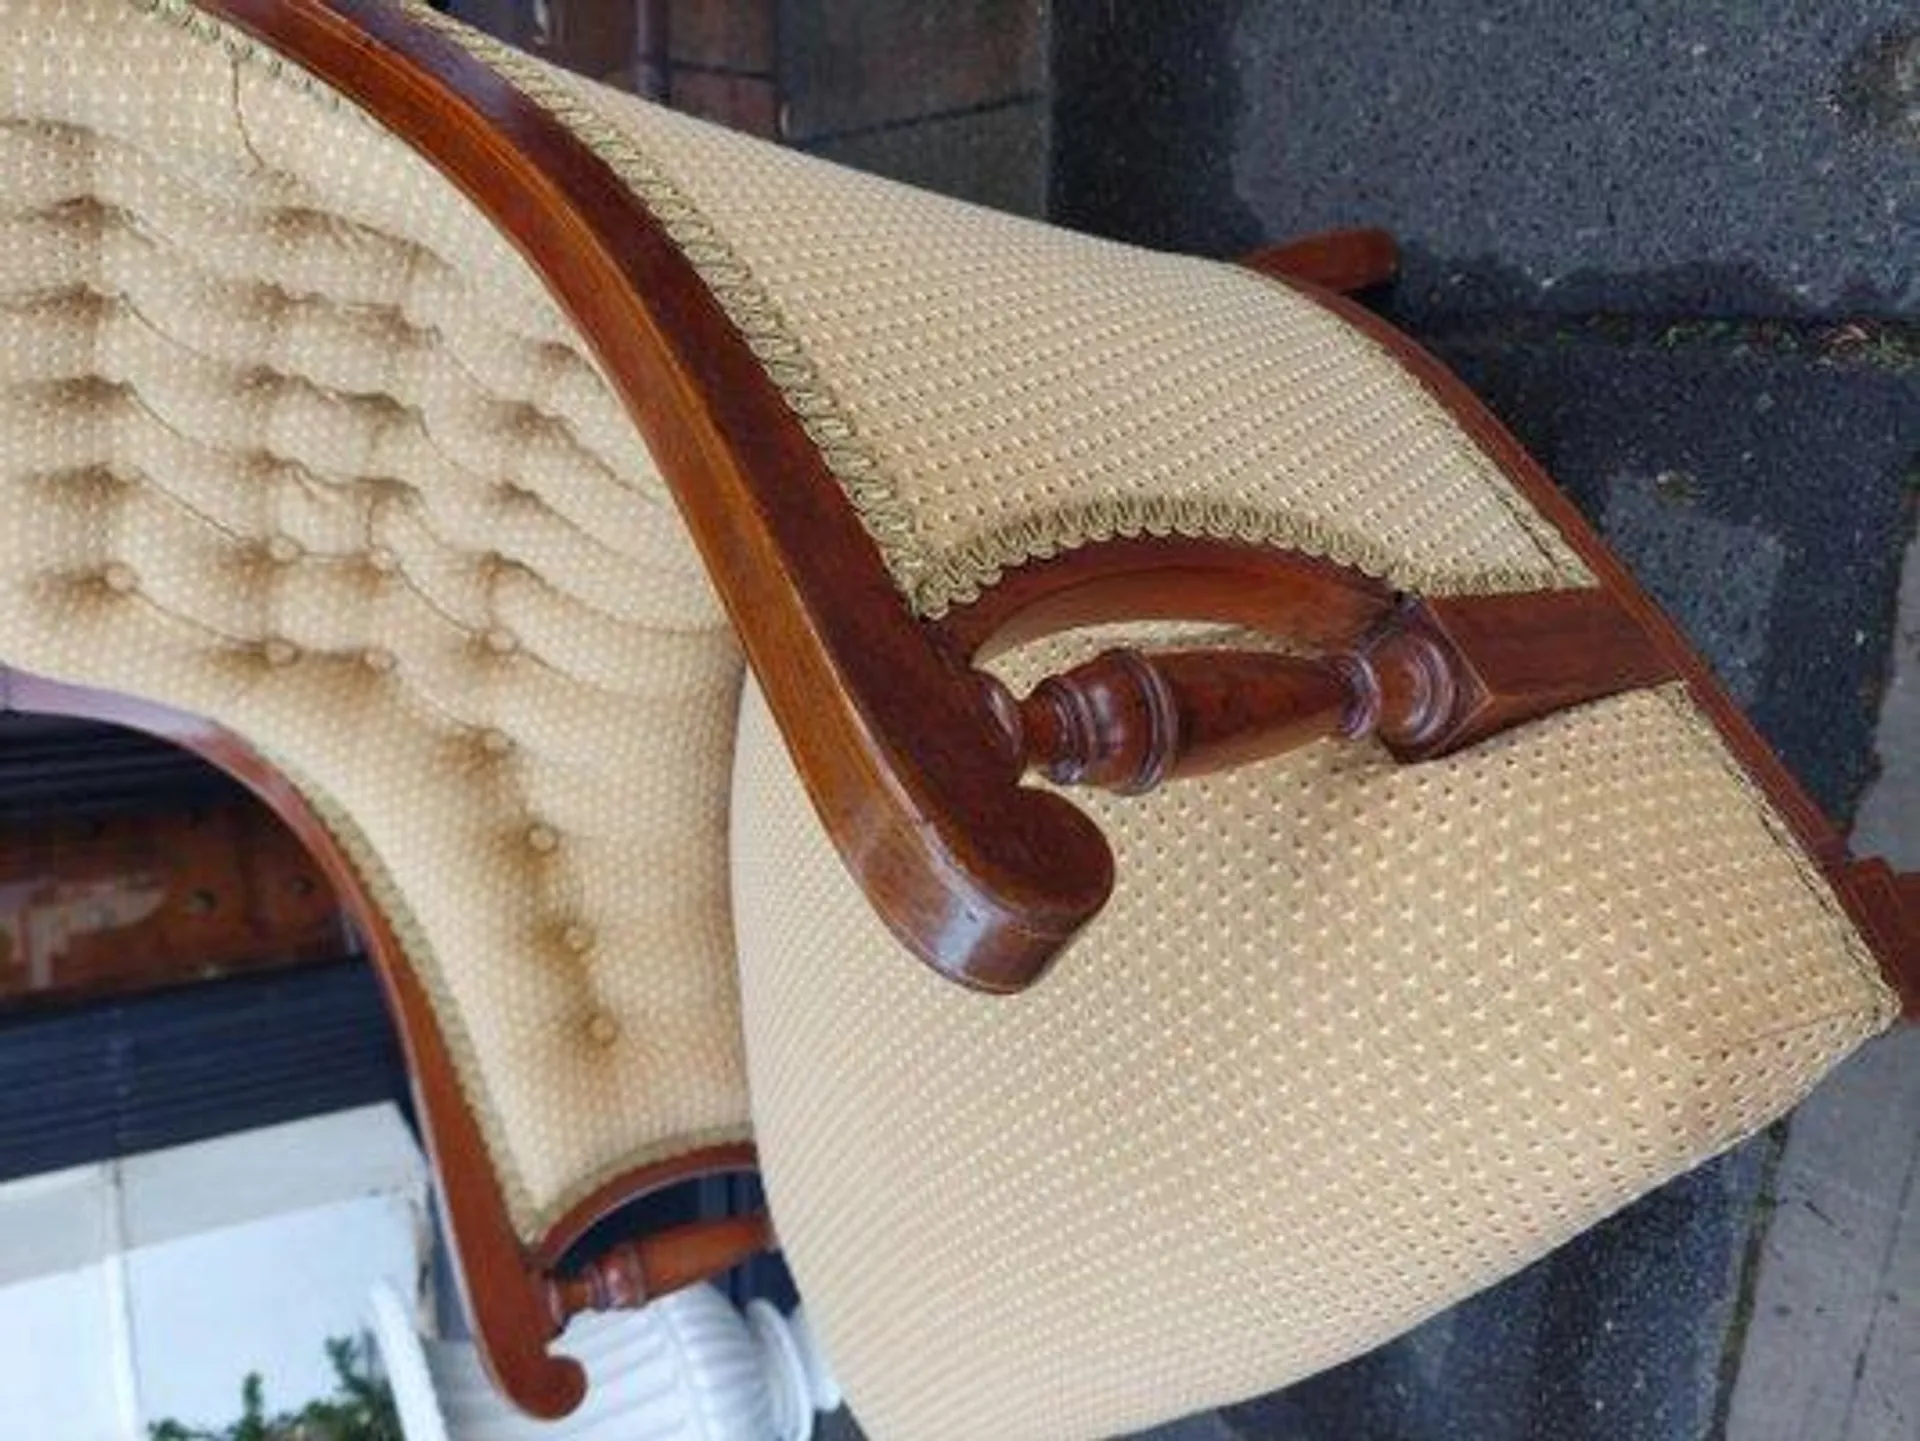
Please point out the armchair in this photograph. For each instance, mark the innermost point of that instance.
(439, 441)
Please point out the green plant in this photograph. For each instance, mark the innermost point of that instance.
(360, 1409)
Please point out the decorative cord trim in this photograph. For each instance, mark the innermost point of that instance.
(1568, 568)
(933, 584)
(731, 282)
(963, 574)
(243, 48)
(531, 1220)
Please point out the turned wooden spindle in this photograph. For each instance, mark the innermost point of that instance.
(1127, 721)
(1435, 676)
(635, 1272)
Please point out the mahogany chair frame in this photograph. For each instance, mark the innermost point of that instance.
(912, 756)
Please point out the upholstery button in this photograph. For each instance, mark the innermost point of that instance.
(280, 652)
(496, 742)
(120, 579)
(282, 550)
(501, 641)
(543, 839)
(602, 1029)
(382, 561)
(378, 659)
(577, 938)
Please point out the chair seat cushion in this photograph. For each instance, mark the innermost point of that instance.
(1351, 1041)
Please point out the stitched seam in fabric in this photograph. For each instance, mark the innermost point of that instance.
(1886, 1006)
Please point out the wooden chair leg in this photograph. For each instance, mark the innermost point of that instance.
(1342, 261)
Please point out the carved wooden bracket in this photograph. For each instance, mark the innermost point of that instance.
(1435, 676)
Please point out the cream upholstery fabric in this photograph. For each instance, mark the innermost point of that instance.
(991, 390)
(1350, 1042)
(292, 438)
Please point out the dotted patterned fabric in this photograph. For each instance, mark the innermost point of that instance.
(290, 437)
(1351, 1041)
(993, 390)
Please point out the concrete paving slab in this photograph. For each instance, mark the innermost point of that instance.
(1889, 820)
(1758, 158)
(1709, 159)
(1145, 99)
(1832, 1352)
(1833, 1347)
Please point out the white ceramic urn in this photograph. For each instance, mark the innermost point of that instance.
(687, 1367)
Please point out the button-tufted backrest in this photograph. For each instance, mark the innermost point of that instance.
(291, 437)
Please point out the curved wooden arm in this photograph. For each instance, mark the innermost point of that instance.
(894, 737)
(902, 745)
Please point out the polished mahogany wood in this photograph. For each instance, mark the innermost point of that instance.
(1430, 677)
(1128, 721)
(1480, 664)
(564, 1234)
(1315, 603)
(1342, 261)
(894, 736)
(898, 740)
(901, 745)
(503, 1280)
(634, 1272)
